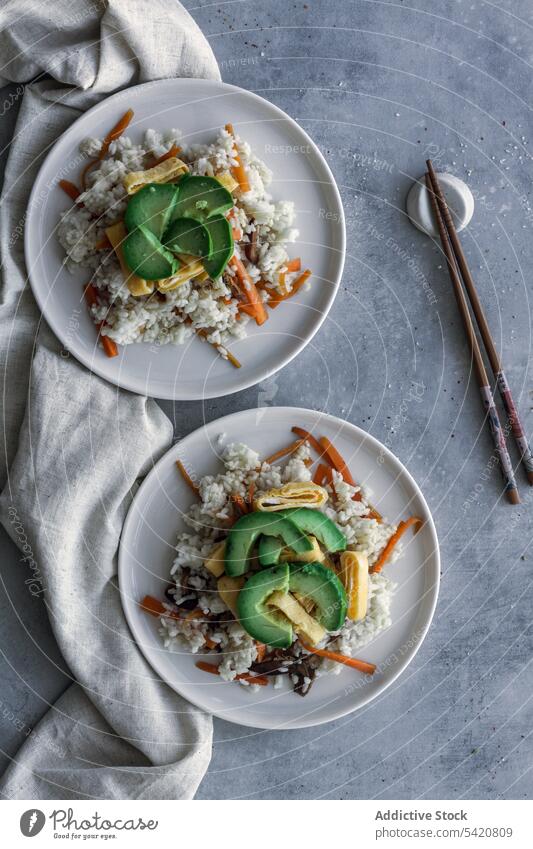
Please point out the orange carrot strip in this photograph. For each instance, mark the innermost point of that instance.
(239, 501)
(213, 669)
(336, 460)
(70, 189)
(387, 551)
(226, 355)
(261, 652)
(373, 514)
(109, 346)
(251, 493)
(238, 172)
(320, 473)
(308, 437)
(276, 299)
(115, 132)
(248, 290)
(194, 614)
(249, 310)
(294, 264)
(207, 667)
(290, 449)
(174, 150)
(187, 478)
(361, 665)
(153, 606)
(103, 244)
(236, 233)
(210, 643)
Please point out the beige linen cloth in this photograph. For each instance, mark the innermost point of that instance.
(74, 445)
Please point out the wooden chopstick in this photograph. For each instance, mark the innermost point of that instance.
(494, 358)
(493, 420)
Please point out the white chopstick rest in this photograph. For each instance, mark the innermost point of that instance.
(459, 198)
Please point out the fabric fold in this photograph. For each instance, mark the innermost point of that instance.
(76, 446)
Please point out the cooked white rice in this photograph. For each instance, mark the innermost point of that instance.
(208, 520)
(210, 306)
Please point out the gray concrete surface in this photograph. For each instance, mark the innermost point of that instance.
(379, 85)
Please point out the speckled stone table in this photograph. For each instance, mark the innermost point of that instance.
(380, 86)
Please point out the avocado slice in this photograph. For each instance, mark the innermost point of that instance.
(200, 197)
(314, 522)
(260, 621)
(188, 236)
(151, 208)
(145, 255)
(222, 245)
(269, 550)
(322, 586)
(244, 533)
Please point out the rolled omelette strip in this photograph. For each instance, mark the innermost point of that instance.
(165, 172)
(295, 494)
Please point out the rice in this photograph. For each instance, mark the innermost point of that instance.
(207, 522)
(211, 306)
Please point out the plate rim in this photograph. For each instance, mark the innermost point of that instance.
(90, 361)
(309, 721)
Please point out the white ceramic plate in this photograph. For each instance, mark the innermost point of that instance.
(199, 108)
(146, 553)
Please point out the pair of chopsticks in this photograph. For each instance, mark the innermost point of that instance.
(458, 267)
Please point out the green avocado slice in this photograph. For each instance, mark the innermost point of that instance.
(151, 208)
(200, 197)
(317, 582)
(188, 236)
(145, 255)
(269, 550)
(222, 245)
(316, 523)
(260, 621)
(244, 533)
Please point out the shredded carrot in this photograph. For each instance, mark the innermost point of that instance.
(103, 244)
(373, 514)
(290, 449)
(308, 437)
(210, 643)
(153, 606)
(112, 135)
(294, 264)
(248, 290)
(187, 478)
(213, 669)
(108, 345)
(251, 493)
(174, 150)
(400, 530)
(261, 652)
(70, 189)
(320, 473)
(115, 133)
(249, 310)
(239, 501)
(276, 299)
(224, 353)
(336, 460)
(361, 665)
(236, 232)
(238, 171)
(194, 614)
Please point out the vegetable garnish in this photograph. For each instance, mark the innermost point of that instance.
(112, 135)
(174, 150)
(361, 665)
(308, 437)
(338, 463)
(155, 607)
(401, 529)
(290, 449)
(187, 478)
(239, 502)
(238, 170)
(108, 345)
(322, 473)
(251, 679)
(276, 299)
(294, 264)
(224, 353)
(70, 189)
(248, 290)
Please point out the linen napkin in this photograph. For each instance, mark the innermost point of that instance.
(74, 445)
